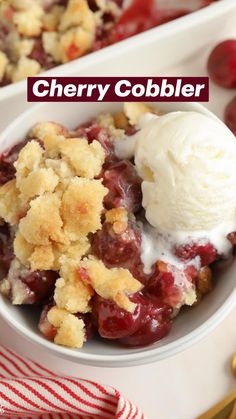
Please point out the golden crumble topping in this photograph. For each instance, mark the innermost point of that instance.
(134, 110)
(28, 18)
(119, 218)
(9, 194)
(24, 68)
(22, 249)
(69, 329)
(42, 223)
(72, 293)
(81, 207)
(42, 258)
(3, 64)
(93, 156)
(29, 160)
(38, 182)
(114, 284)
(52, 18)
(41, 130)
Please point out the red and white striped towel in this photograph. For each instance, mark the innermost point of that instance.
(28, 390)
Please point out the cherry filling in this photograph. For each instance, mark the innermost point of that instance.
(38, 286)
(124, 187)
(187, 252)
(162, 287)
(6, 250)
(7, 170)
(46, 328)
(102, 135)
(149, 322)
(155, 323)
(112, 321)
(121, 250)
(46, 61)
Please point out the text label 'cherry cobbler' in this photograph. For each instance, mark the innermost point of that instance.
(116, 89)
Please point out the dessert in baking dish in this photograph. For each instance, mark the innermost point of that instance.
(113, 227)
(36, 35)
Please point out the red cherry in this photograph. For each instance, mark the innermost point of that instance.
(230, 115)
(222, 64)
(6, 249)
(118, 249)
(112, 321)
(46, 328)
(162, 286)
(186, 252)
(7, 170)
(88, 324)
(103, 136)
(150, 321)
(41, 285)
(155, 324)
(124, 187)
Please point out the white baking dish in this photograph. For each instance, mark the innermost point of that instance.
(150, 53)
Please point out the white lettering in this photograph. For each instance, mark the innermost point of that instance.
(153, 89)
(167, 90)
(199, 87)
(80, 89)
(90, 89)
(138, 90)
(37, 85)
(70, 90)
(178, 87)
(54, 86)
(121, 84)
(102, 91)
(188, 90)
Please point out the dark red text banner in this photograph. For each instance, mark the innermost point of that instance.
(118, 89)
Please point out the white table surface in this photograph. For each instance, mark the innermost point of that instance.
(181, 387)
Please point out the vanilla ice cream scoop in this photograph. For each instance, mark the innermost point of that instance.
(188, 164)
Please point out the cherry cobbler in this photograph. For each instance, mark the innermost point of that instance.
(36, 35)
(71, 234)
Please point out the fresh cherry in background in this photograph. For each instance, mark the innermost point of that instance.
(222, 64)
(230, 115)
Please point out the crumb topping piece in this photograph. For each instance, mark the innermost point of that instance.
(81, 207)
(9, 194)
(42, 223)
(93, 156)
(134, 110)
(70, 330)
(3, 64)
(71, 292)
(57, 200)
(114, 284)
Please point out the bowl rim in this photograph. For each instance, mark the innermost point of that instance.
(148, 354)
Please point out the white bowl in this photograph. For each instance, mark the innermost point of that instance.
(189, 327)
